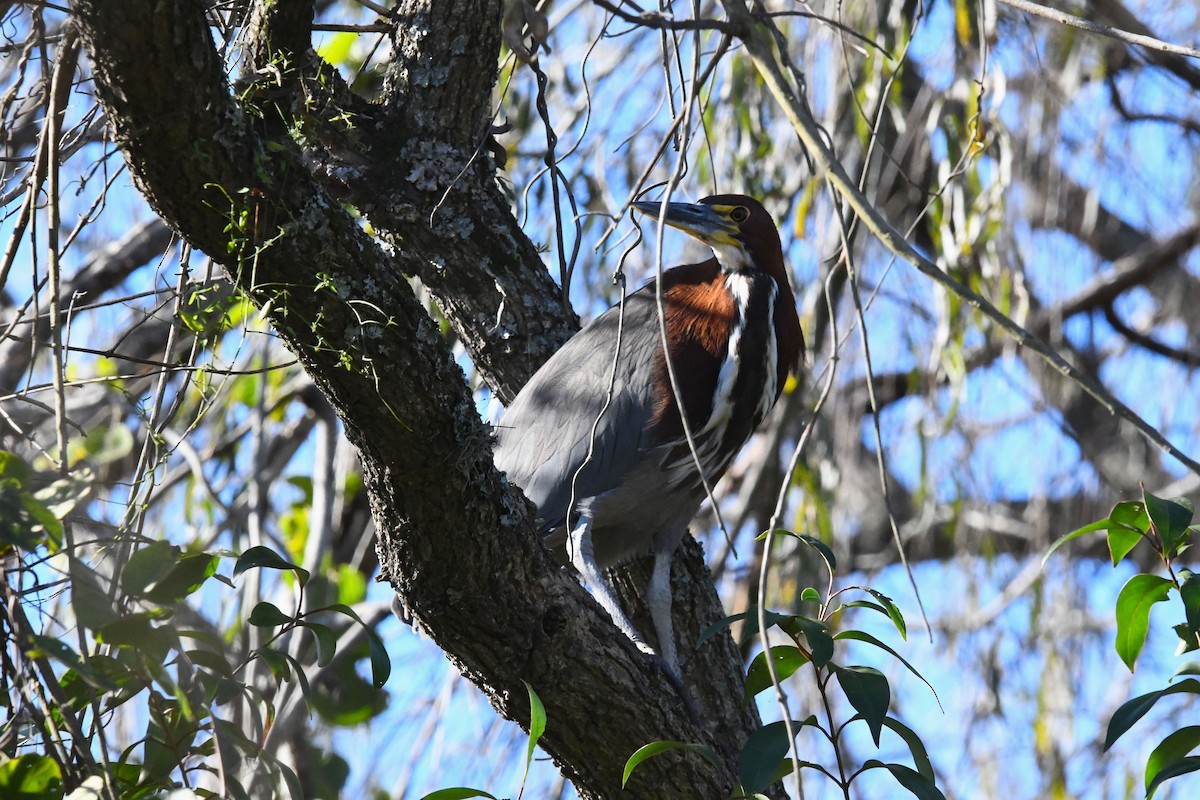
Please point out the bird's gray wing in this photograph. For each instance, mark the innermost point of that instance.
(544, 437)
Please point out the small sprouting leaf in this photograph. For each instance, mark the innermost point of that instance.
(1170, 517)
(268, 615)
(656, 748)
(381, 662)
(1189, 668)
(148, 565)
(537, 726)
(1134, 602)
(863, 636)
(1133, 710)
(457, 793)
(267, 558)
(786, 660)
(1173, 770)
(1170, 753)
(810, 594)
(919, 785)
(868, 692)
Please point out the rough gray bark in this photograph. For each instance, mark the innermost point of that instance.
(456, 541)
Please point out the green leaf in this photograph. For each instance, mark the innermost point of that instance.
(15, 467)
(893, 612)
(1173, 770)
(1130, 514)
(148, 565)
(381, 662)
(88, 599)
(278, 663)
(44, 518)
(31, 777)
(786, 660)
(267, 558)
(816, 544)
(760, 759)
(1098, 525)
(915, 746)
(1134, 602)
(267, 615)
(917, 784)
(64, 494)
(1188, 668)
(657, 748)
(1189, 592)
(815, 632)
(136, 631)
(537, 726)
(868, 692)
(863, 636)
(188, 575)
(751, 628)
(1170, 517)
(1169, 753)
(1133, 710)
(810, 594)
(457, 793)
(1121, 541)
(105, 444)
(326, 641)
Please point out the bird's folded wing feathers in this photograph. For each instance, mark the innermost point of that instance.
(545, 436)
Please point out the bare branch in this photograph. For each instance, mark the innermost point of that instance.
(1104, 30)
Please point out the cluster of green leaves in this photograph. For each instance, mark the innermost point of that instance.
(132, 645)
(815, 642)
(1164, 525)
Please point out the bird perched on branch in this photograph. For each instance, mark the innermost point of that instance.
(596, 438)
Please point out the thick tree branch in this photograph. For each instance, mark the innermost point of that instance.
(455, 540)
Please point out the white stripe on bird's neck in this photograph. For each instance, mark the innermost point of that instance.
(732, 257)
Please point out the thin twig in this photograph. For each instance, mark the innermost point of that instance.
(1104, 30)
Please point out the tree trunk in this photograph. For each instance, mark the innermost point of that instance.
(257, 178)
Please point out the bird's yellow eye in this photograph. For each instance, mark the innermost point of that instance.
(740, 214)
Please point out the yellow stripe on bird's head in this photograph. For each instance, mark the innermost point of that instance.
(737, 228)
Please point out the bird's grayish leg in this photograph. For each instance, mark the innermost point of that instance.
(583, 558)
(658, 600)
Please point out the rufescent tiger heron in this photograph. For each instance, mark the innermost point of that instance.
(615, 479)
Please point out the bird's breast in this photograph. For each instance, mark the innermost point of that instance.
(728, 384)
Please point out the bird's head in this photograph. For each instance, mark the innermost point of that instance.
(739, 230)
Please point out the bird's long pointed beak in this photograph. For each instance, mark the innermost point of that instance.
(702, 221)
